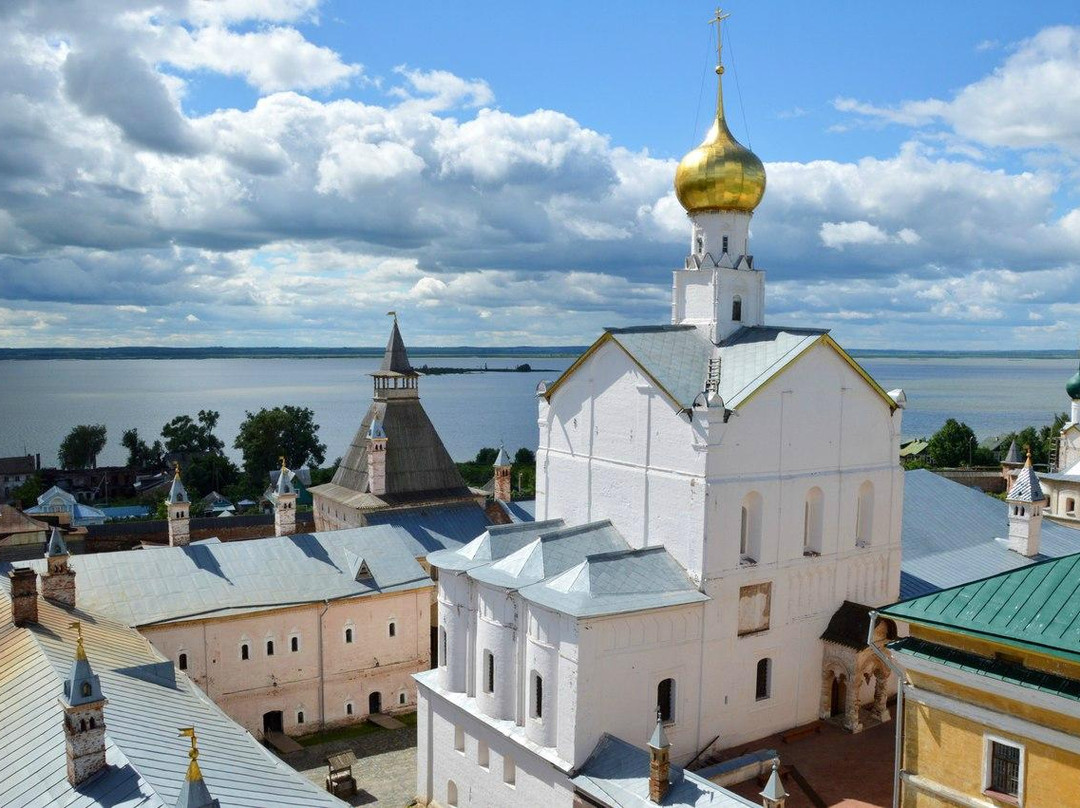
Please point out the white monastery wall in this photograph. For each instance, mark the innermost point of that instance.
(613, 447)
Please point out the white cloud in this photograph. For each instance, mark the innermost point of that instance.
(838, 235)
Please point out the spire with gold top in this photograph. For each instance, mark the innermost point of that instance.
(194, 793)
(721, 173)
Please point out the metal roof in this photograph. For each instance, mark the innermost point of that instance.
(1026, 487)
(519, 510)
(849, 626)
(1013, 455)
(435, 527)
(617, 774)
(396, 358)
(1000, 670)
(1034, 607)
(498, 541)
(676, 356)
(148, 700)
(161, 584)
(953, 534)
(13, 521)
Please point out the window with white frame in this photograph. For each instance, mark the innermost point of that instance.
(294, 643)
(763, 679)
(348, 708)
(182, 661)
(1003, 769)
(402, 698)
(442, 647)
(391, 628)
(245, 650)
(348, 635)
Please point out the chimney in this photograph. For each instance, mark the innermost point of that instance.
(502, 476)
(84, 717)
(23, 596)
(774, 795)
(284, 503)
(659, 764)
(1025, 502)
(58, 583)
(376, 458)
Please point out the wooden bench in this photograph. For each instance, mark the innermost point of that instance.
(799, 732)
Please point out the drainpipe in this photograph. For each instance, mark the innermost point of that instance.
(899, 706)
(322, 676)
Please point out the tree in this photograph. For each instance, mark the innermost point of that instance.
(29, 491)
(486, 456)
(79, 450)
(524, 457)
(140, 456)
(193, 436)
(288, 431)
(326, 474)
(210, 472)
(952, 445)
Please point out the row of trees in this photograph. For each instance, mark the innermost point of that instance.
(479, 471)
(263, 438)
(955, 445)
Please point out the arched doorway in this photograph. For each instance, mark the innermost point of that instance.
(838, 698)
(272, 722)
(374, 703)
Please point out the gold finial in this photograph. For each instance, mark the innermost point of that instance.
(176, 466)
(718, 18)
(193, 771)
(282, 459)
(1027, 464)
(80, 652)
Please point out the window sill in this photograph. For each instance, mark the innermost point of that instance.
(747, 561)
(998, 796)
(811, 554)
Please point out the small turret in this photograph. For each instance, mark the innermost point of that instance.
(659, 762)
(84, 717)
(502, 476)
(58, 583)
(1025, 501)
(194, 793)
(284, 503)
(774, 795)
(395, 377)
(24, 596)
(179, 506)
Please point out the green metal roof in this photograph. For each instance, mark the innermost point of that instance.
(1001, 670)
(1035, 607)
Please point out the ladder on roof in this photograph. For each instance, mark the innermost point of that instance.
(712, 381)
(1053, 454)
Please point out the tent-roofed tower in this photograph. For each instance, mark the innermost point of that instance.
(396, 457)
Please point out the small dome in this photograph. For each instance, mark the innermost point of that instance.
(720, 174)
(1072, 387)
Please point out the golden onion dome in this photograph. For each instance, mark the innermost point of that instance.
(721, 173)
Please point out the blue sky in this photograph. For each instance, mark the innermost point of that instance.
(283, 172)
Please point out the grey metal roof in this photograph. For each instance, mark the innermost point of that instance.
(1013, 455)
(177, 492)
(519, 510)
(677, 356)
(56, 545)
(435, 527)
(138, 587)
(953, 534)
(617, 775)
(497, 542)
(615, 583)
(502, 459)
(148, 700)
(754, 354)
(1026, 487)
(396, 358)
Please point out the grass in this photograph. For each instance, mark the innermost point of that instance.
(351, 731)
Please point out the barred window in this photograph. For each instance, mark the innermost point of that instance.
(1004, 768)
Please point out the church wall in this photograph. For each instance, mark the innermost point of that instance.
(622, 661)
(601, 430)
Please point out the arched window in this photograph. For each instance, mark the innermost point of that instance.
(348, 708)
(93, 722)
(763, 684)
(391, 629)
(348, 634)
(665, 700)
(1070, 506)
(864, 515)
(294, 643)
(736, 309)
(182, 662)
(299, 716)
(750, 529)
(537, 694)
(451, 793)
(245, 651)
(489, 672)
(86, 689)
(813, 520)
(723, 244)
(402, 698)
(269, 647)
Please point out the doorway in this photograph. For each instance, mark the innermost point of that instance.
(272, 722)
(374, 703)
(839, 696)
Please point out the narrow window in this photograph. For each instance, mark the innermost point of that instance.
(451, 793)
(864, 516)
(86, 689)
(813, 513)
(182, 662)
(665, 700)
(348, 635)
(459, 739)
(269, 647)
(294, 644)
(348, 708)
(1004, 769)
(401, 699)
(750, 528)
(537, 695)
(509, 770)
(736, 309)
(482, 753)
(93, 722)
(743, 530)
(245, 651)
(392, 628)
(763, 685)
(300, 717)
(723, 245)
(442, 646)
(489, 672)
(1070, 506)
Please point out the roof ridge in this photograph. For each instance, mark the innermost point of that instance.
(575, 530)
(648, 329)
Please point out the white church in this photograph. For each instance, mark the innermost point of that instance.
(718, 504)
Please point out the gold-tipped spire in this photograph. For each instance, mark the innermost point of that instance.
(176, 472)
(194, 773)
(1027, 463)
(721, 173)
(282, 459)
(80, 652)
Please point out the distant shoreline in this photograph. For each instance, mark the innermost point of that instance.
(553, 352)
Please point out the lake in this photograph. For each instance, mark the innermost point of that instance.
(41, 400)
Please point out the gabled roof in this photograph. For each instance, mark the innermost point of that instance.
(1034, 607)
(849, 626)
(147, 701)
(435, 527)
(677, 359)
(551, 553)
(23, 464)
(497, 542)
(13, 521)
(162, 584)
(616, 774)
(952, 534)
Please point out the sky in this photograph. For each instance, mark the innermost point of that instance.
(284, 172)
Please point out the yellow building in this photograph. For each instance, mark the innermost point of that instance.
(991, 691)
